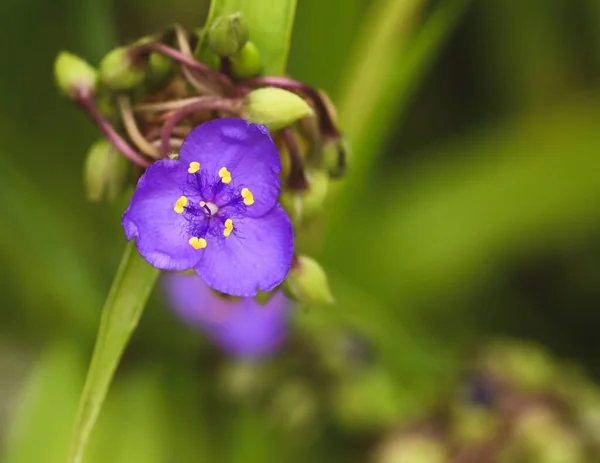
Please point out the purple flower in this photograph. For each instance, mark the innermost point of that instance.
(215, 210)
(241, 326)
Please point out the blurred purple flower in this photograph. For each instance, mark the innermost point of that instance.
(215, 210)
(241, 326)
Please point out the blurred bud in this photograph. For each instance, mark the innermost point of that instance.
(411, 449)
(370, 400)
(119, 71)
(525, 366)
(307, 282)
(548, 440)
(74, 76)
(587, 410)
(294, 406)
(105, 172)
(160, 68)
(243, 379)
(335, 156)
(472, 425)
(274, 108)
(305, 204)
(228, 34)
(246, 63)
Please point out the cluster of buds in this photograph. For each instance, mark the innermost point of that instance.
(517, 404)
(146, 98)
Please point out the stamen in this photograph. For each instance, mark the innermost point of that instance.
(228, 227)
(225, 175)
(197, 243)
(194, 167)
(248, 197)
(180, 204)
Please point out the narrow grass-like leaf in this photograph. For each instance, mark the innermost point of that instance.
(120, 315)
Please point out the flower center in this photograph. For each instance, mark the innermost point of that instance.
(209, 208)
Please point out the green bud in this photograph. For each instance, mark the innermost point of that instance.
(246, 63)
(105, 172)
(335, 156)
(526, 366)
(275, 108)
(294, 406)
(160, 68)
(74, 76)
(228, 34)
(472, 425)
(119, 71)
(306, 204)
(412, 449)
(307, 282)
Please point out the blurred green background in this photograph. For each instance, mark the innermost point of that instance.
(470, 212)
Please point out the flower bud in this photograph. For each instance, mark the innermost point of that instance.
(411, 449)
(306, 204)
(275, 108)
(294, 406)
(160, 68)
(525, 366)
(335, 156)
(105, 172)
(228, 34)
(75, 77)
(119, 71)
(246, 63)
(307, 282)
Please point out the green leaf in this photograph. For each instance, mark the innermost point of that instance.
(138, 404)
(387, 66)
(42, 418)
(123, 308)
(270, 23)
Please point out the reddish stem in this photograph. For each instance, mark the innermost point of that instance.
(111, 134)
(297, 178)
(327, 126)
(191, 63)
(209, 103)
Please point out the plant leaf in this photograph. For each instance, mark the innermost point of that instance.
(120, 315)
(270, 23)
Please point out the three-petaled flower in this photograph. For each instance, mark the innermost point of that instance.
(215, 209)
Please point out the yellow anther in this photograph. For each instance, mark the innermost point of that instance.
(197, 243)
(202, 204)
(225, 175)
(228, 227)
(248, 197)
(180, 204)
(194, 167)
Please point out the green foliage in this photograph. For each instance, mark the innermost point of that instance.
(470, 208)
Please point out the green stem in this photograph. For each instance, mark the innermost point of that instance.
(120, 315)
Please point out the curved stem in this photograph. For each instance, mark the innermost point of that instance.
(297, 178)
(166, 105)
(117, 141)
(205, 103)
(184, 46)
(132, 128)
(191, 63)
